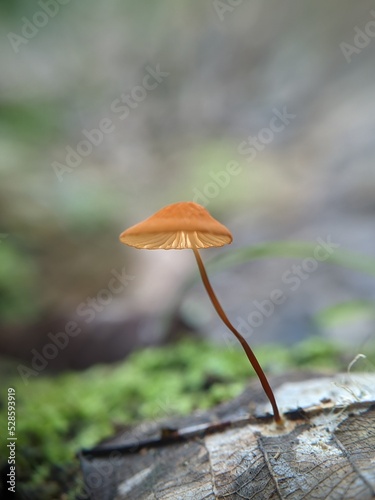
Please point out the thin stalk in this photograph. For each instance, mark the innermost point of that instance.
(249, 353)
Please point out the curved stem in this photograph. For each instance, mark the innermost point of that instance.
(249, 353)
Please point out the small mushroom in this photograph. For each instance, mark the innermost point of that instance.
(189, 225)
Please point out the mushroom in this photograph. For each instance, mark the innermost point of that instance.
(189, 225)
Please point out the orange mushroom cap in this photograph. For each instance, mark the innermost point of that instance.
(180, 225)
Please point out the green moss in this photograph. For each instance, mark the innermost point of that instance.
(56, 416)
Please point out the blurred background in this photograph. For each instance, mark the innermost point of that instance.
(264, 112)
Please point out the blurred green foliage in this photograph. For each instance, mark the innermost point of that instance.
(18, 283)
(292, 249)
(32, 123)
(345, 312)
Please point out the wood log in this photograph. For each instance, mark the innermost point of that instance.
(325, 450)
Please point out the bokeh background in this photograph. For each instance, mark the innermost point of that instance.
(222, 71)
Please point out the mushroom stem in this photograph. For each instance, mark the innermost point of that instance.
(249, 353)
